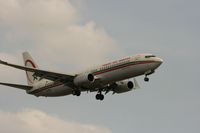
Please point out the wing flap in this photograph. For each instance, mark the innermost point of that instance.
(23, 87)
(42, 73)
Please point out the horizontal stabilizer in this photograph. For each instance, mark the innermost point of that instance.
(23, 87)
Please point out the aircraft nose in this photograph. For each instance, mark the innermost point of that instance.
(159, 61)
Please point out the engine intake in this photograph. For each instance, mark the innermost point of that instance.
(83, 79)
(130, 85)
(90, 77)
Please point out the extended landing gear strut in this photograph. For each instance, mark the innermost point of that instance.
(99, 96)
(76, 92)
(146, 79)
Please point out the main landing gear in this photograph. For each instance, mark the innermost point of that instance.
(99, 96)
(76, 92)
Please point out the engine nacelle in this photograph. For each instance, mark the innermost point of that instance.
(83, 79)
(123, 86)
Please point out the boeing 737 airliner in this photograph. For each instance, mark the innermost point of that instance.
(112, 76)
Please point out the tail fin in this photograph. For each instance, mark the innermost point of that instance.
(29, 62)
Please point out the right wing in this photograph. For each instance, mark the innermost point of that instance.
(42, 73)
(23, 87)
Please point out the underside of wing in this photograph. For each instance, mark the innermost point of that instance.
(42, 73)
(23, 87)
(122, 86)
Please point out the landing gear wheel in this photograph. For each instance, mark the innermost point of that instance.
(146, 79)
(99, 97)
(76, 92)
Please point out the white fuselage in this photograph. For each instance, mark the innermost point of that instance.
(105, 74)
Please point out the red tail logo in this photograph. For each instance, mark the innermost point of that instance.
(30, 63)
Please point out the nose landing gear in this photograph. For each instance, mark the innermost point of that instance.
(146, 79)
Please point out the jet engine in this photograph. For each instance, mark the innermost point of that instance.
(83, 79)
(123, 86)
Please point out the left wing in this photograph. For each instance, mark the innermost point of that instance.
(42, 73)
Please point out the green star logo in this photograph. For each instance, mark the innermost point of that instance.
(34, 77)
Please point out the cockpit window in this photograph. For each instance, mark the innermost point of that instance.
(149, 56)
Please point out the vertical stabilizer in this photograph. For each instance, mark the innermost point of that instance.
(29, 62)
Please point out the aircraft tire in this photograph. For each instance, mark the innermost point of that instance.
(146, 79)
(99, 97)
(76, 92)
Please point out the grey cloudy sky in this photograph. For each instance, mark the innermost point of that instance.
(70, 35)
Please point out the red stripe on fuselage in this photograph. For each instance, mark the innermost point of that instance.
(45, 88)
(139, 63)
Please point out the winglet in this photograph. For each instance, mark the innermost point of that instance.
(3, 62)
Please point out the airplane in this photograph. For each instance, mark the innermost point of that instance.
(110, 77)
